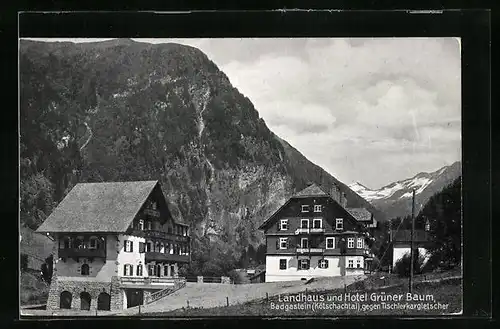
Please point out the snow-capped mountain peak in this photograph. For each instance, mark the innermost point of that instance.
(398, 190)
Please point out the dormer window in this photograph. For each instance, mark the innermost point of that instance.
(339, 224)
(305, 208)
(317, 208)
(284, 225)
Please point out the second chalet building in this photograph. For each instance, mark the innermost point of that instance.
(116, 244)
(314, 234)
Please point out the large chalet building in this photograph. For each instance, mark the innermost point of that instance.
(314, 234)
(116, 244)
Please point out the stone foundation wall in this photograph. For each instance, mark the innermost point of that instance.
(93, 288)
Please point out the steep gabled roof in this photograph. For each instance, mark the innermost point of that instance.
(99, 207)
(361, 214)
(312, 190)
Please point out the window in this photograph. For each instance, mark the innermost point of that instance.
(350, 263)
(148, 225)
(141, 224)
(93, 243)
(67, 242)
(339, 224)
(139, 270)
(157, 246)
(323, 263)
(85, 269)
(360, 243)
(317, 208)
(129, 246)
(162, 248)
(358, 263)
(151, 270)
(142, 247)
(350, 242)
(318, 223)
(305, 208)
(330, 243)
(149, 246)
(304, 223)
(282, 264)
(284, 224)
(128, 270)
(304, 243)
(304, 264)
(283, 243)
(172, 270)
(165, 270)
(153, 205)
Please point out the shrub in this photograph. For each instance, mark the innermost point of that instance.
(402, 267)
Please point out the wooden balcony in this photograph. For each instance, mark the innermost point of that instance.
(166, 257)
(81, 252)
(311, 251)
(309, 230)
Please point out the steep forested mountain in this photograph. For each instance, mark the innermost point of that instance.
(124, 110)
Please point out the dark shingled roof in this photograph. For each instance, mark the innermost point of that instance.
(361, 214)
(405, 236)
(98, 207)
(312, 190)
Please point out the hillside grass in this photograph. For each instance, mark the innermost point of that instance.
(446, 292)
(33, 290)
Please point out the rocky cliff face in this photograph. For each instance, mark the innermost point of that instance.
(123, 110)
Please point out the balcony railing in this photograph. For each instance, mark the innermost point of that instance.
(158, 256)
(153, 281)
(81, 252)
(310, 250)
(164, 235)
(309, 230)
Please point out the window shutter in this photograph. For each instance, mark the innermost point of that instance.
(278, 225)
(288, 243)
(277, 243)
(131, 246)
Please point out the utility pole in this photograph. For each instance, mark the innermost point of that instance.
(410, 281)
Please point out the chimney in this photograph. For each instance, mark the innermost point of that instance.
(343, 201)
(335, 193)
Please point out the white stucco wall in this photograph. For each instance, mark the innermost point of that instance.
(133, 258)
(274, 274)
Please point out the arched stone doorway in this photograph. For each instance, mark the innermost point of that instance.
(65, 300)
(104, 302)
(85, 301)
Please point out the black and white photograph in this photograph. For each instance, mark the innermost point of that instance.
(272, 177)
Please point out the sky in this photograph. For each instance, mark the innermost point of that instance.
(368, 110)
